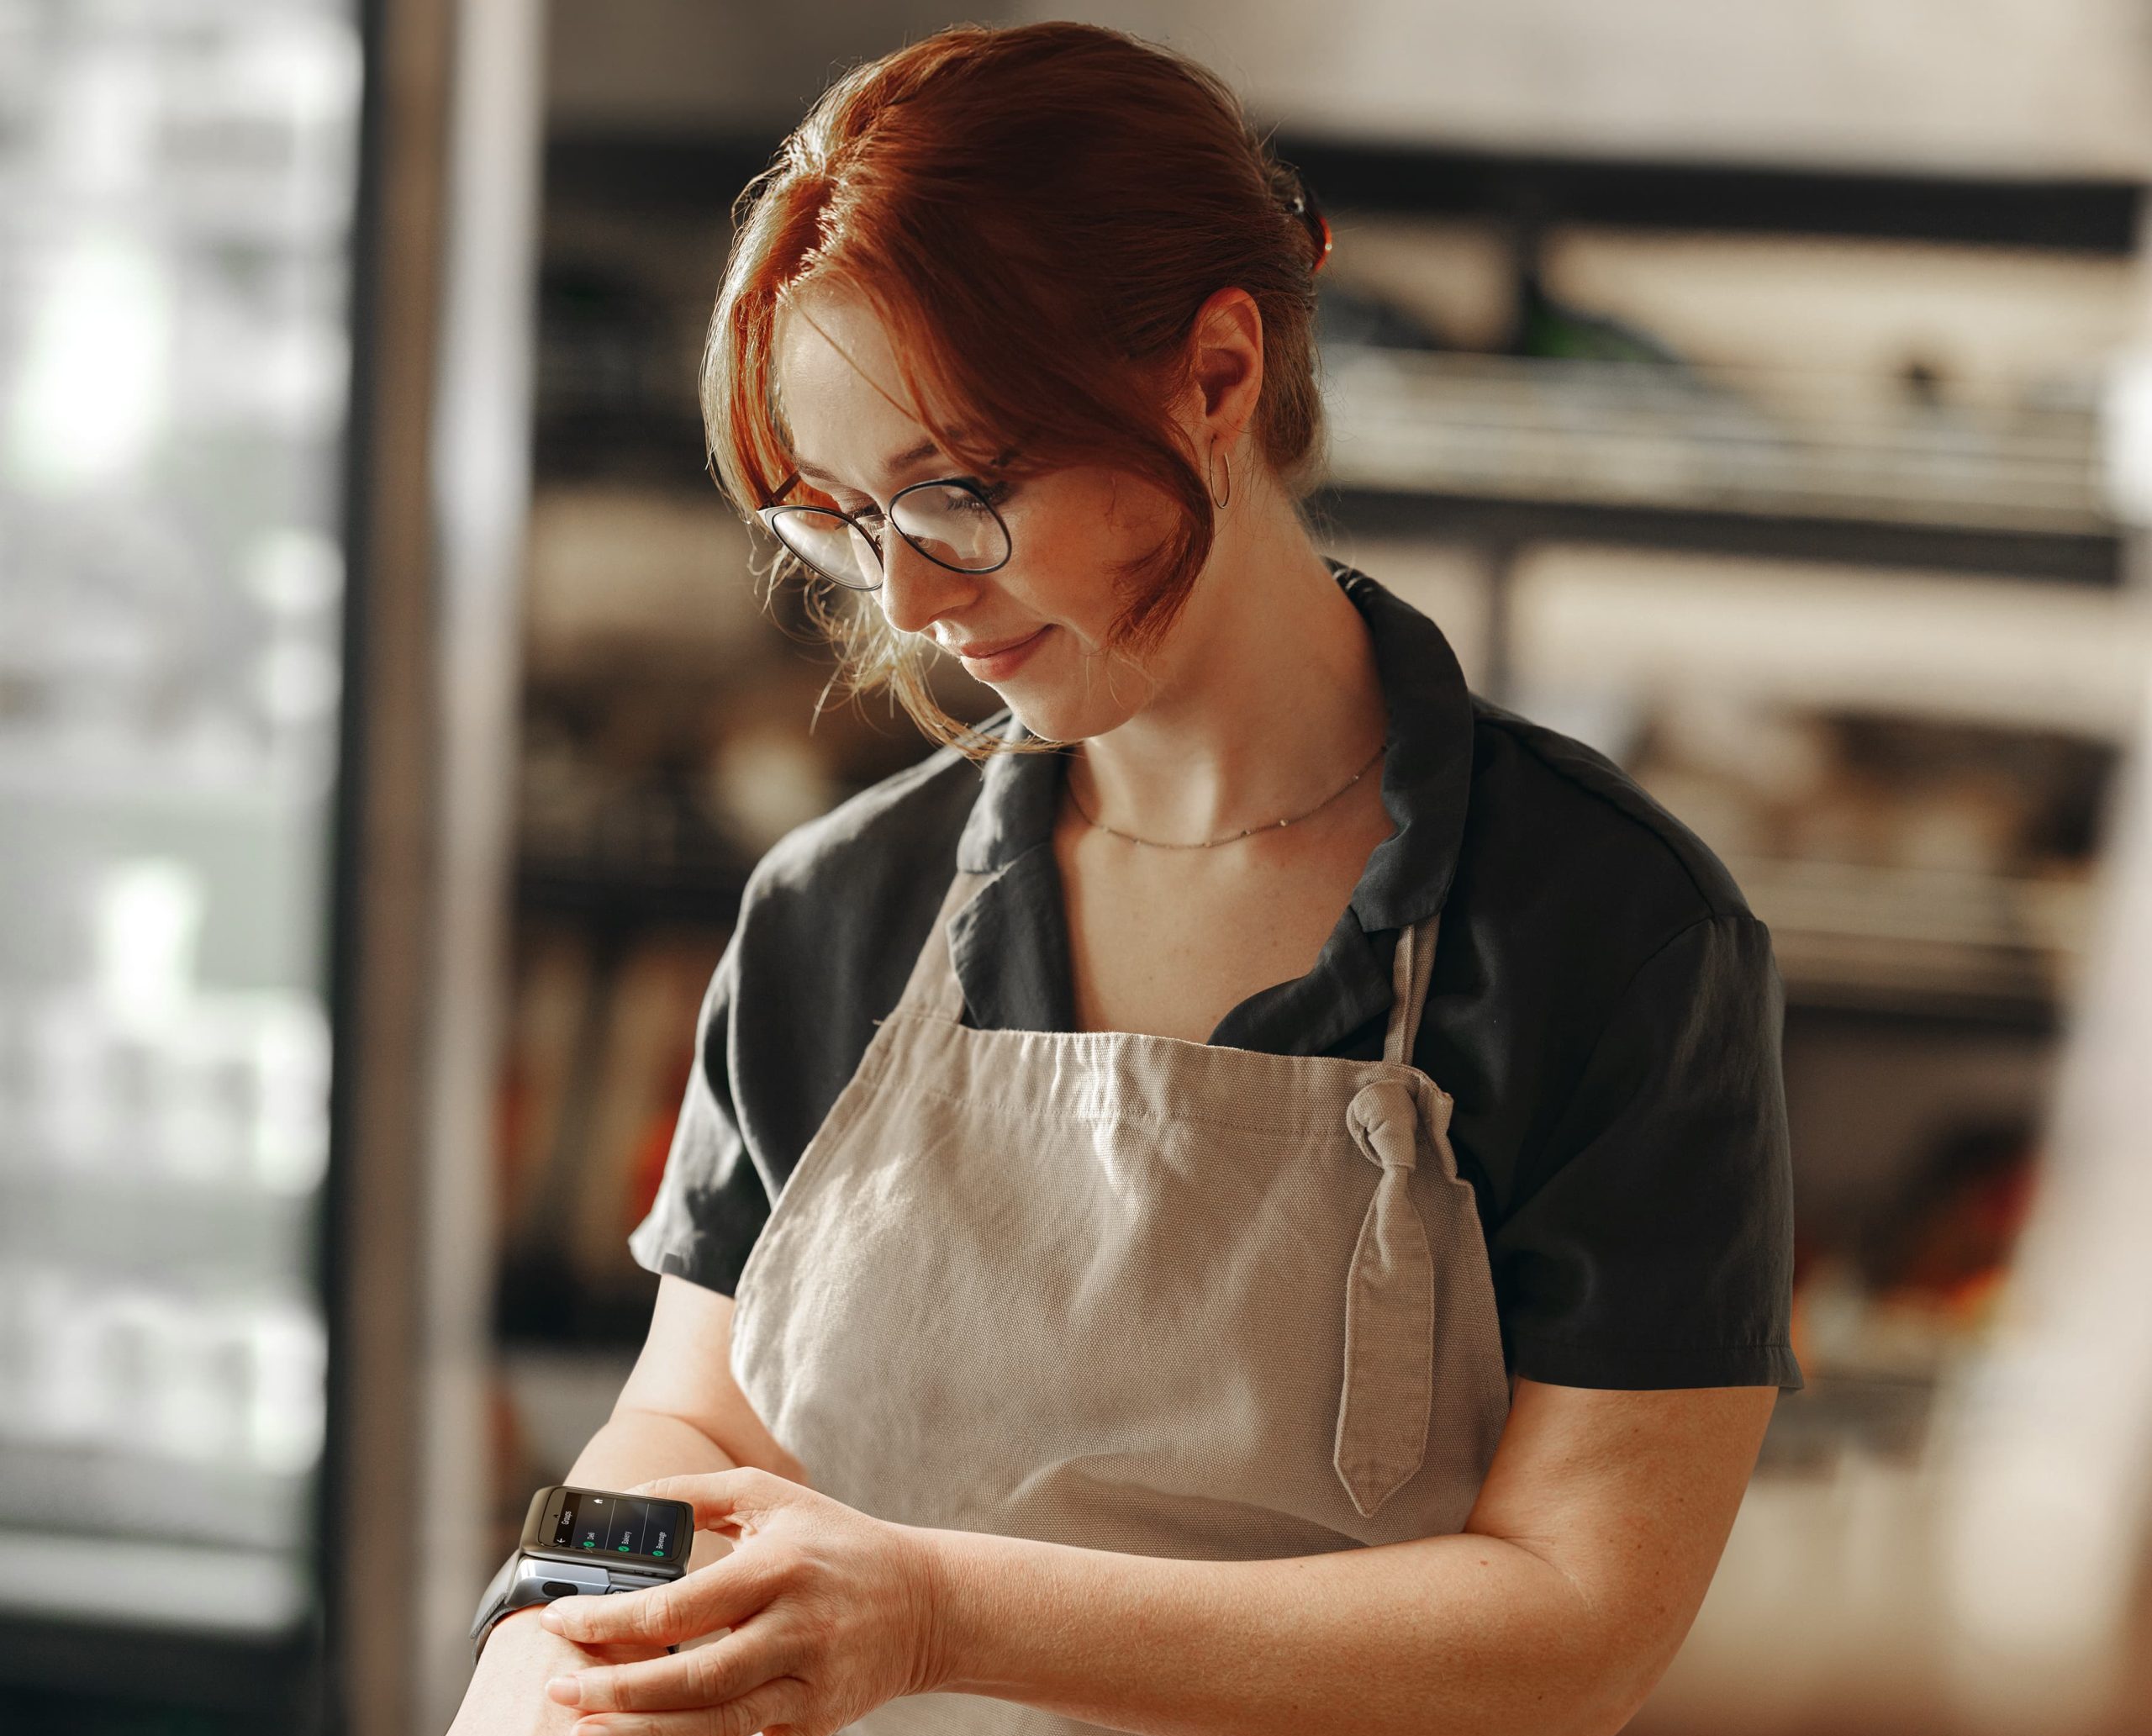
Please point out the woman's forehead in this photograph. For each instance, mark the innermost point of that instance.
(840, 394)
(834, 372)
(843, 406)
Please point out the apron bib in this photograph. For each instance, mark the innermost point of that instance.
(1126, 1292)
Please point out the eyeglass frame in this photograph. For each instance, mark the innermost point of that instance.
(767, 512)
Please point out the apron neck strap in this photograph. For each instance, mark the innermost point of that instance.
(1410, 967)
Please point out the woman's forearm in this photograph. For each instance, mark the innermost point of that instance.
(1464, 1633)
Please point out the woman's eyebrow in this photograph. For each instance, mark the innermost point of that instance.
(926, 449)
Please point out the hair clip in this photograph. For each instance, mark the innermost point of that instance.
(1305, 207)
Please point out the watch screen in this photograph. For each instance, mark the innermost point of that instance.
(621, 1527)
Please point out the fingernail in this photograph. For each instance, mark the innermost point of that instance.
(549, 1619)
(566, 1689)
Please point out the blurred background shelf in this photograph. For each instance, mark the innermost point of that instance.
(1845, 1412)
(130, 1584)
(1647, 436)
(1499, 525)
(709, 898)
(1926, 941)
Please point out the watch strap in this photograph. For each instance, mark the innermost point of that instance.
(522, 1580)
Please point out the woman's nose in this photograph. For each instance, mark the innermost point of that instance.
(916, 592)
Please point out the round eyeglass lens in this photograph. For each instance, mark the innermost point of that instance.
(952, 525)
(832, 545)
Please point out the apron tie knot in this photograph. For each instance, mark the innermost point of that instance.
(1390, 1307)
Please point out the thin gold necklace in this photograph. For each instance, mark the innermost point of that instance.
(1246, 832)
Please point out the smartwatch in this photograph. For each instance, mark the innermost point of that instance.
(586, 1541)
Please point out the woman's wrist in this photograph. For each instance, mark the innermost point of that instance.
(520, 1640)
(977, 1579)
(520, 1619)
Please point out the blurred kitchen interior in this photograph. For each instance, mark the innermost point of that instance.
(1762, 394)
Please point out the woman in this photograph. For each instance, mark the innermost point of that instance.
(1118, 1270)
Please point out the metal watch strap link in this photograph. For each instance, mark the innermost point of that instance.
(524, 1580)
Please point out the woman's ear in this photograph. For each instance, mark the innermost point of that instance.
(1226, 366)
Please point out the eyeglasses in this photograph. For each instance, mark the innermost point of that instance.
(950, 520)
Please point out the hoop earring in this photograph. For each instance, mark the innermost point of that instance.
(1214, 500)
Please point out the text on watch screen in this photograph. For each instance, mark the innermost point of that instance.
(618, 1526)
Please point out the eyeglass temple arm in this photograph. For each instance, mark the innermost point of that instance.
(775, 497)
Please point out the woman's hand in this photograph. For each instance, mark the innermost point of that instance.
(832, 1614)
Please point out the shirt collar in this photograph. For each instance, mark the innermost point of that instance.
(1426, 770)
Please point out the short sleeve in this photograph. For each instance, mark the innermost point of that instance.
(711, 1203)
(1657, 1249)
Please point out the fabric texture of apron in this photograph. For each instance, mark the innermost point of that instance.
(1126, 1292)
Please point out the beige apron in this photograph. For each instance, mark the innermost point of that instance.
(1126, 1292)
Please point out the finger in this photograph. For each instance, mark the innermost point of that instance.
(723, 1499)
(722, 1595)
(663, 1616)
(774, 1705)
(621, 1651)
(709, 1675)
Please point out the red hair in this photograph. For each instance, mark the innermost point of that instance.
(1035, 213)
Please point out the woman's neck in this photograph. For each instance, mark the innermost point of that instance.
(1267, 699)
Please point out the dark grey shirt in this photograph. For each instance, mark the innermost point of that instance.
(1603, 1008)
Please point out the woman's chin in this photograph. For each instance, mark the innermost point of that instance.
(1038, 713)
(1055, 717)
(1061, 705)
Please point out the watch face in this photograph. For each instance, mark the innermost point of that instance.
(602, 1524)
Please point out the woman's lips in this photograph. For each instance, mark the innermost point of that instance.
(999, 666)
